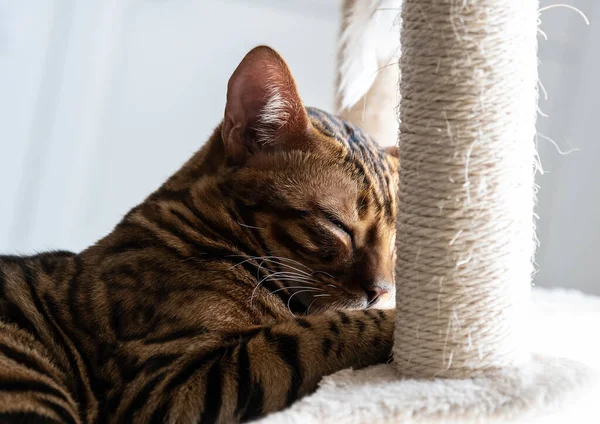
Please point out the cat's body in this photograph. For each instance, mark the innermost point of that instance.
(229, 292)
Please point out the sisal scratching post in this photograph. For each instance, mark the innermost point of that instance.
(465, 230)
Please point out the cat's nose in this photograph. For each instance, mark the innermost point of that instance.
(375, 292)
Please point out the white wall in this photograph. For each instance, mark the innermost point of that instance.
(101, 100)
(569, 198)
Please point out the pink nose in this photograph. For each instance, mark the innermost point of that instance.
(375, 292)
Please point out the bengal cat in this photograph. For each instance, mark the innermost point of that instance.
(262, 265)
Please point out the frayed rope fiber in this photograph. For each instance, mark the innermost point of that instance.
(465, 232)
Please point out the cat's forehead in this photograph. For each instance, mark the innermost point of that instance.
(362, 154)
(350, 137)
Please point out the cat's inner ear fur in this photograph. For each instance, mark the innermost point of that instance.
(263, 106)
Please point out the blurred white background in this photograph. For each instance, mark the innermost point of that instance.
(101, 100)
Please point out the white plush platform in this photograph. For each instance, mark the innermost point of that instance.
(565, 324)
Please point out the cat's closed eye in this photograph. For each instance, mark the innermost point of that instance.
(339, 224)
(341, 230)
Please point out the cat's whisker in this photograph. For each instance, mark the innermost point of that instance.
(240, 263)
(323, 272)
(258, 284)
(282, 258)
(258, 268)
(290, 299)
(297, 287)
(294, 280)
(320, 309)
(277, 260)
(299, 274)
(285, 274)
(271, 277)
(296, 275)
(241, 224)
(291, 273)
(309, 306)
(289, 266)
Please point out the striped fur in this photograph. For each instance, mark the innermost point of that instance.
(227, 294)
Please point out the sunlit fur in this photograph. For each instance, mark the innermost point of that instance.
(227, 294)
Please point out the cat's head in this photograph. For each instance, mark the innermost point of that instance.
(320, 192)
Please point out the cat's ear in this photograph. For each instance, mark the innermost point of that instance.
(263, 106)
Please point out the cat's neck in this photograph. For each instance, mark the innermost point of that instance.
(205, 162)
(199, 179)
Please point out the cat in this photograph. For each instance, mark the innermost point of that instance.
(263, 264)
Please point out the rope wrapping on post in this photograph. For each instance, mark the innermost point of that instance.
(465, 234)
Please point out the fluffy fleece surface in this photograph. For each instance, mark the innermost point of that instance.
(564, 324)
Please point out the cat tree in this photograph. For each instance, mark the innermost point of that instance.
(465, 326)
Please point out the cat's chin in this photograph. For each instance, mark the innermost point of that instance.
(357, 304)
(357, 301)
(389, 303)
(317, 306)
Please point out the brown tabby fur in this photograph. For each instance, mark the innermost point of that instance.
(224, 296)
